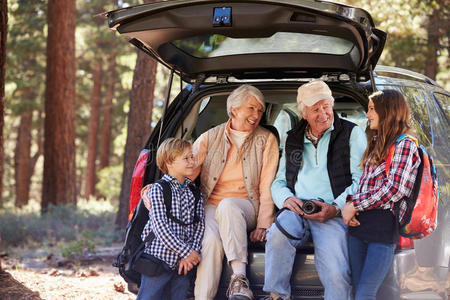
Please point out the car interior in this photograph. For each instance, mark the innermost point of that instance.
(280, 116)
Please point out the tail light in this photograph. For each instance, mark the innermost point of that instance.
(137, 181)
(405, 243)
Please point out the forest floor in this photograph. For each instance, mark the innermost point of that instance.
(87, 278)
(51, 277)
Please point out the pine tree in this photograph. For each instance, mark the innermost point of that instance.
(59, 185)
(139, 120)
(3, 36)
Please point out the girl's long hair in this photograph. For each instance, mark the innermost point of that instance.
(394, 120)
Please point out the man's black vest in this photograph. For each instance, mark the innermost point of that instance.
(338, 158)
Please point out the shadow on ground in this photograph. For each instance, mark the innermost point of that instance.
(11, 289)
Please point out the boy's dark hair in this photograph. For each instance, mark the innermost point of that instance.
(169, 150)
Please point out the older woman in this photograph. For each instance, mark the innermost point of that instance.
(237, 161)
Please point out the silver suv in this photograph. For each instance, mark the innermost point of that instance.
(214, 46)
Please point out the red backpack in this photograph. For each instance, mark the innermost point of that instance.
(420, 219)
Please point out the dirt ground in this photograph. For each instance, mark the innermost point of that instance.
(90, 278)
(57, 278)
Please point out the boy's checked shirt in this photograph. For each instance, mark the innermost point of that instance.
(172, 240)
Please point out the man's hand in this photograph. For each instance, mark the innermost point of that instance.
(294, 204)
(327, 212)
(258, 235)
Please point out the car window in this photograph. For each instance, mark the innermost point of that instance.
(281, 112)
(345, 107)
(419, 112)
(350, 110)
(441, 131)
(213, 111)
(216, 45)
(283, 123)
(444, 102)
(204, 104)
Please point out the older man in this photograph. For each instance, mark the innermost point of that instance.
(320, 161)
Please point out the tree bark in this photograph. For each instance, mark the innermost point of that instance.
(108, 114)
(3, 35)
(431, 63)
(39, 144)
(93, 131)
(139, 119)
(22, 160)
(59, 184)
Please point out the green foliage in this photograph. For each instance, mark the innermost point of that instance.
(406, 23)
(26, 76)
(75, 248)
(73, 229)
(109, 182)
(25, 61)
(407, 46)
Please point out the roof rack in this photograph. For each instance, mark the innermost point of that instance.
(404, 72)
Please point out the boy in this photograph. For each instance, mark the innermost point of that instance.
(178, 238)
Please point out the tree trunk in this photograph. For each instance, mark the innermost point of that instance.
(22, 160)
(431, 63)
(108, 114)
(139, 119)
(39, 143)
(59, 184)
(93, 131)
(3, 35)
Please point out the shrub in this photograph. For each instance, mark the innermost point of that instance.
(75, 248)
(110, 181)
(85, 226)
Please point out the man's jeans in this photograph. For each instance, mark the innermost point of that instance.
(168, 285)
(369, 263)
(330, 255)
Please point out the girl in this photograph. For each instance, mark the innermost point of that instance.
(370, 213)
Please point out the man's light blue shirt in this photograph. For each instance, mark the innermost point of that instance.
(313, 180)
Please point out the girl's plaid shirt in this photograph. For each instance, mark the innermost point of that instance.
(172, 240)
(378, 191)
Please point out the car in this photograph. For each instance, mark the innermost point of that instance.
(215, 46)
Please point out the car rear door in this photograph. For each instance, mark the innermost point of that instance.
(254, 39)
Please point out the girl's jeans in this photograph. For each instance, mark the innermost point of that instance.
(369, 262)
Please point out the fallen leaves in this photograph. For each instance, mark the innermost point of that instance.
(119, 287)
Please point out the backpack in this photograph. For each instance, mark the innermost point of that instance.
(134, 245)
(420, 218)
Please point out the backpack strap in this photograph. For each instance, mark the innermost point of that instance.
(167, 193)
(389, 158)
(391, 151)
(196, 192)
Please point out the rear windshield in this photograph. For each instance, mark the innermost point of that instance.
(215, 45)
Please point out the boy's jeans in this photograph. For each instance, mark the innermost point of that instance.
(154, 288)
(370, 263)
(331, 255)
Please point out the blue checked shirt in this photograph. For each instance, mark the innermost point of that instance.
(172, 240)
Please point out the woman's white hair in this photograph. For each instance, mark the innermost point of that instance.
(239, 96)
